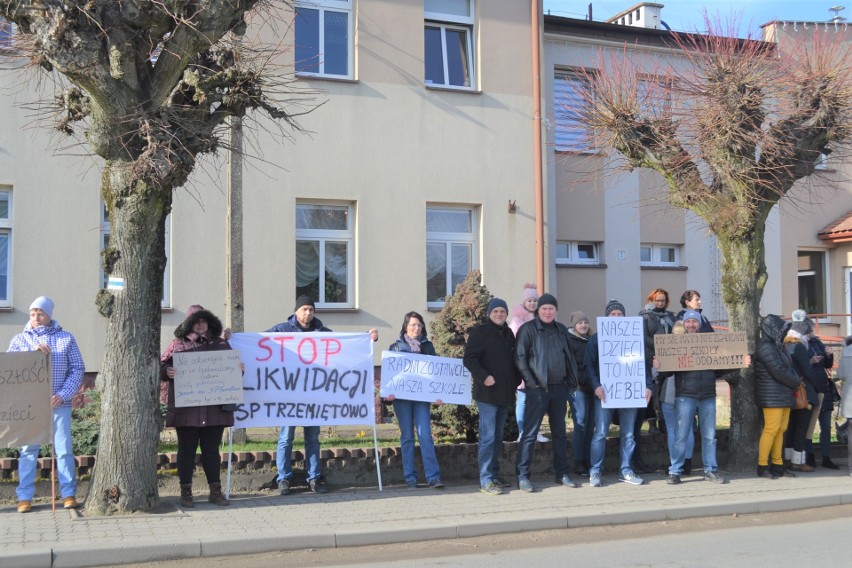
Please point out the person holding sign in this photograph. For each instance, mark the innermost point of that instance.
(302, 321)
(603, 416)
(196, 425)
(695, 390)
(44, 334)
(489, 355)
(549, 370)
(415, 415)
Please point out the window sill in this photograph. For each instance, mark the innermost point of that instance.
(451, 88)
(166, 309)
(335, 78)
(338, 310)
(579, 265)
(654, 267)
(6, 309)
(434, 309)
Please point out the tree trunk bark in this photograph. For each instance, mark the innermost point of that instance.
(125, 477)
(743, 280)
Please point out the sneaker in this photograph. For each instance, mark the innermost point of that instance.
(25, 506)
(525, 486)
(284, 487)
(491, 489)
(631, 478)
(567, 481)
(673, 479)
(582, 471)
(714, 477)
(317, 486)
(436, 484)
(501, 482)
(595, 479)
(69, 503)
(411, 484)
(542, 438)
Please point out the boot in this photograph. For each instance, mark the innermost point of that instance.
(826, 462)
(764, 471)
(777, 470)
(788, 458)
(216, 496)
(687, 466)
(186, 495)
(799, 464)
(810, 459)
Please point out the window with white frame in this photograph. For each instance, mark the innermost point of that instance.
(822, 162)
(106, 229)
(324, 43)
(812, 281)
(325, 238)
(654, 95)
(659, 255)
(570, 97)
(577, 252)
(7, 30)
(5, 246)
(450, 250)
(448, 43)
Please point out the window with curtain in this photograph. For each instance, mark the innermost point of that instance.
(570, 133)
(324, 254)
(324, 43)
(450, 251)
(448, 43)
(5, 247)
(812, 281)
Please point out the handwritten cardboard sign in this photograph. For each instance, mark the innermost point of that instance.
(203, 378)
(305, 379)
(26, 385)
(426, 378)
(621, 354)
(699, 351)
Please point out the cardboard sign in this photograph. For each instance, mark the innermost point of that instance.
(26, 385)
(305, 379)
(621, 354)
(203, 378)
(427, 378)
(699, 351)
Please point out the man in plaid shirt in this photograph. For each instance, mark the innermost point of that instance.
(45, 334)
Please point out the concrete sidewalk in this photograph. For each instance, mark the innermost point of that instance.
(354, 517)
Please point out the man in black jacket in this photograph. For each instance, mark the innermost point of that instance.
(490, 357)
(549, 371)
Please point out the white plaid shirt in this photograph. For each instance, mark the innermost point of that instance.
(66, 360)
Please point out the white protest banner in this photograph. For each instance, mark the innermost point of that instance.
(427, 378)
(698, 351)
(203, 378)
(621, 353)
(26, 385)
(305, 379)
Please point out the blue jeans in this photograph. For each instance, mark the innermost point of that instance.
(603, 418)
(66, 466)
(492, 418)
(584, 426)
(284, 454)
(554, 402)
(520, 406)
(671, 425)
(685, 408)
(416, 415)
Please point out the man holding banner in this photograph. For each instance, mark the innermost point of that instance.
(615, 366)
(44, 334)
(302, 321)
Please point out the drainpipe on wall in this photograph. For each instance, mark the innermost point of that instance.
(537, 166)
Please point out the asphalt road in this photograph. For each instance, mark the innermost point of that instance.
(816, 537)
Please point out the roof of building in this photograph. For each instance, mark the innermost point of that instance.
(839, 230)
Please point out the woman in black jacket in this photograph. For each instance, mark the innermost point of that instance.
(775, 382)
(796, 345)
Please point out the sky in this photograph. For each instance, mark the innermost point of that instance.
(687, 15)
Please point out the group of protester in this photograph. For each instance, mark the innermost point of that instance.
(551, 368)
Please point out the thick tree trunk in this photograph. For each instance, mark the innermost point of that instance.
(743, 279)
(125, 478)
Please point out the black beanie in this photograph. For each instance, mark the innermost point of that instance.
(547, 299)
(614, 305)
(303, 301)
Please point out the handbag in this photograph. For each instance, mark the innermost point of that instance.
(800, 397)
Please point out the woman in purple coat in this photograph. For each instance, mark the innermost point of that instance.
(197, 425)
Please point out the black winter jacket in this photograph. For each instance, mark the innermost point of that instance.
(775, 378)
(532, 361)
(490, 350)
(655, 321)
(697, 384)
(578, 344)
(402, 346)
(802, 365)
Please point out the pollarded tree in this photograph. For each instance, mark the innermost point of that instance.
(746, 122)
(150, 84)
